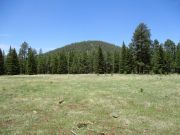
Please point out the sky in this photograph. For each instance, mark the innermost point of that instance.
(50, 24)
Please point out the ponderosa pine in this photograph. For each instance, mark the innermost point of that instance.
(1, 62)
(141, 44)
(100, 62)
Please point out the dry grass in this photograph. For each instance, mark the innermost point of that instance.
(30, 104)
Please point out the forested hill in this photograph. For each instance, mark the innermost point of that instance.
(86, 46)
(141, 56)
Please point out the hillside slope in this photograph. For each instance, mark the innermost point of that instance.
(86, 46)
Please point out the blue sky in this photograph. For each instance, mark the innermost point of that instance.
(49, 24)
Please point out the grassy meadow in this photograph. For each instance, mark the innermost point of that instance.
(90, 105)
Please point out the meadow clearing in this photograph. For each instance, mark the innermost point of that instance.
(90, 104)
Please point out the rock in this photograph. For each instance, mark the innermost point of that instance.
(61, 101)
(114, 115)
(82, 125)
(35, 112)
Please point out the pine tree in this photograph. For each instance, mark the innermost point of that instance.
(31, 62)
(1, 63)
(40, 63)
(129, 66)
(100, 62)
(161, 60)
(155, 56)
(9, 64)
(62, 64)
(48, 64)
(12, 63)
(54, 64)
(131, 59)
(90, 61)
(4, 61)
(158, 58)
(141, 45)
(94, 61)
(70, 59)
(75, 65)
(123, 59)
(116, 62)
(169, 47)
(84, 65)
(15, 61)
(109, 63)
(177, 61)
(23, 57)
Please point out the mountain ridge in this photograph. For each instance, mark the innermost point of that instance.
(88, 45)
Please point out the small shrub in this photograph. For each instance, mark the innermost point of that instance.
(141, 90)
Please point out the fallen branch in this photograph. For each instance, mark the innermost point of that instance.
(73, 132)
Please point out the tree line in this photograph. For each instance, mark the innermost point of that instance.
(141, 56)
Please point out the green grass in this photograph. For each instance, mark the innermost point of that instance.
(143, 104)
